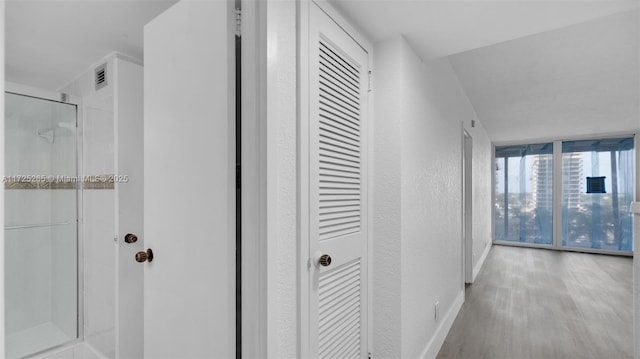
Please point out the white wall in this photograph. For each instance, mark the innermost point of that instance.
(98, 209)
(418, 113)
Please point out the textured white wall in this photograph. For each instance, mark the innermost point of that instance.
(386, 191)
(418, 113)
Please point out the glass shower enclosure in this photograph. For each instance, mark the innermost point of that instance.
(41, 224)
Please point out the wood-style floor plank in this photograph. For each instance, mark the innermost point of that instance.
(542, 304)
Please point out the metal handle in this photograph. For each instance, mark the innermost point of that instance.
(325, 260)
(130, 238)
(142, 257)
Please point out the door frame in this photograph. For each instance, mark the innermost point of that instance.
(467, 207)
(253, 183)
(303, 142)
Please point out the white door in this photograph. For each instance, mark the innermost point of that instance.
(337, 191)
(189, 197)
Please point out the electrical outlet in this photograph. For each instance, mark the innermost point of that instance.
(436, 310)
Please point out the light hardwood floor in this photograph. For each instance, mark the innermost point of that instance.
(537, 303)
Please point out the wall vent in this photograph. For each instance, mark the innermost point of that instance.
(101, 76)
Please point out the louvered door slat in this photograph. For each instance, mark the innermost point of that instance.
(337, 125)
(331, 113)
(329, 210)
(337, 95)
(333, 132)
(340, 309)
(333, 69)
(344, 64)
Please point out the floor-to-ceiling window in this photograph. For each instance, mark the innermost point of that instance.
(524, 193)
(588, 202)
(597, 218)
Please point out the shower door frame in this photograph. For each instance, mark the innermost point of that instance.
(23, 90)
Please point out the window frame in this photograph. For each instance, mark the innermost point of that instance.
(557, 191)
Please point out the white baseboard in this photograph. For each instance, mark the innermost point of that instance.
(434, 345)
(480, 263)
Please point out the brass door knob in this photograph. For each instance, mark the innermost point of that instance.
(142, 257)
(130, 238)
(325, 260)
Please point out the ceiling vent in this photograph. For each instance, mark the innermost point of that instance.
(101, 76)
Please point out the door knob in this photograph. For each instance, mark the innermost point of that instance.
(325, 260)
(130, 238)
(142, 257)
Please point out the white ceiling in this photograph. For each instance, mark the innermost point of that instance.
(50, 42)
(436, 28)
(531, 69)
(577, 81)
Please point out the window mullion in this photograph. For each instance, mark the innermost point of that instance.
(557, 194)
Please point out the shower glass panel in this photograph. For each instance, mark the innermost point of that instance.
(41, 226)
(598, 219)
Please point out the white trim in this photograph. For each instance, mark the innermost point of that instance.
(462, 210)
(370, 202)
(636, 244)
(568, 138)
(563, 249)
(467, 212)
(303, 178)
(493, 193)
(253, 180)
(480, 263)
(354, 33)
(2, 172)
(436, 341)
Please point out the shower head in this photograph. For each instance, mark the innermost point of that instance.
(48, 134)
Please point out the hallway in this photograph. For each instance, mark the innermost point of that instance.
(535, 303)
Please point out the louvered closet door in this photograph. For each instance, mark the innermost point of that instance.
(337, 189)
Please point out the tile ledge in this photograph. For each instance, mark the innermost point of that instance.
(635, 208)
